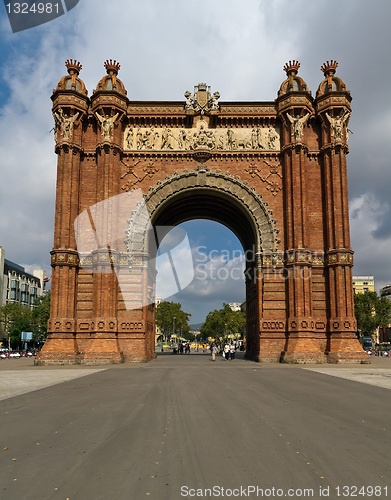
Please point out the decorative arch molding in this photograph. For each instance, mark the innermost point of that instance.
(209, 181)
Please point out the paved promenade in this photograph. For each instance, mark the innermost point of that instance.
(184, 426)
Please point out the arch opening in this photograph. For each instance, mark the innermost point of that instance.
(229, 202)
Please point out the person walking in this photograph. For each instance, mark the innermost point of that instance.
(226, 352)
(232, 352)
(214, 351)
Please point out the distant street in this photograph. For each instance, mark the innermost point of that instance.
(184, 426)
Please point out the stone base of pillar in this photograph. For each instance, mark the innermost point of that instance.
(94, 349)
(344, 349)
(102, 350)
(303, 350)
(59, 349)
(270, 349)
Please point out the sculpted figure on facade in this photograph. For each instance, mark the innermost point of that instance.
(297, 125)
(213, 101)
(129, 138)
(64, 124)
(272, 139)
(107, 124)
(190, 100)
(204, 138)
(338, 123)
(168, 140)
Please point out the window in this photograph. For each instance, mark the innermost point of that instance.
(365, 290)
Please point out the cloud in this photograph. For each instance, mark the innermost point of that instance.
(372, 255)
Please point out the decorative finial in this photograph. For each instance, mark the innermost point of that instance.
(112, 67)
(329, 67)
(292, 67)
(73, 66)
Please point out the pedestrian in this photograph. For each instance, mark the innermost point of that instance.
(226, 352)
(232, 352)
(214, 351)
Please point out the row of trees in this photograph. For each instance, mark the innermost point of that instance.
(371, 311)
(223, 322)
(15, 319)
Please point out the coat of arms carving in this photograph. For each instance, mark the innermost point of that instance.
(202, 100)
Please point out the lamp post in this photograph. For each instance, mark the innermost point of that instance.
(173, 326)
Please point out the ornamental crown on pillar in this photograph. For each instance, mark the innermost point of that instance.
(71, 81)
(293, 83)
(329, 68)
(110, 82)
(331, 83)
(73, 66)
(112, 66)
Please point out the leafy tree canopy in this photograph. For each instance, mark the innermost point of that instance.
(222, 322)
(165, 314)
(16, 318)
(371, 312)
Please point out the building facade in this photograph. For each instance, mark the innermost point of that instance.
(273, 172)
(362, 284)
(386, 291)
(18, 286)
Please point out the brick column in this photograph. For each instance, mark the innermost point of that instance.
(61, 342)
(302, 344)
(342, 344)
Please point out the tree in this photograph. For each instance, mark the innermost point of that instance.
(14, 319)
(371, 312)
(222, 322)
(41, 315)
(165, 314)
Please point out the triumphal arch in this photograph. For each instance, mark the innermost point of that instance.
(273, 172)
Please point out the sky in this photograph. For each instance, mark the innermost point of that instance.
(239, 47)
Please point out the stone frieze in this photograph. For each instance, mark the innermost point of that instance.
(201, 137)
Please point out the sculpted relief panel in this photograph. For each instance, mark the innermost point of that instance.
(201, 137)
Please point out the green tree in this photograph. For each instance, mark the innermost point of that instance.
(165, 314)
(222, 322)
(14, 319)
(371, 312)
(41, 315)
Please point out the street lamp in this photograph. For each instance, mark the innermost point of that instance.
(173, 326)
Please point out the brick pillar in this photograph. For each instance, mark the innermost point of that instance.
(342, 344)
(61, 343)
(302, 345)
(103, 342)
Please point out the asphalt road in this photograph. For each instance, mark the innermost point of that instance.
(187, 427)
